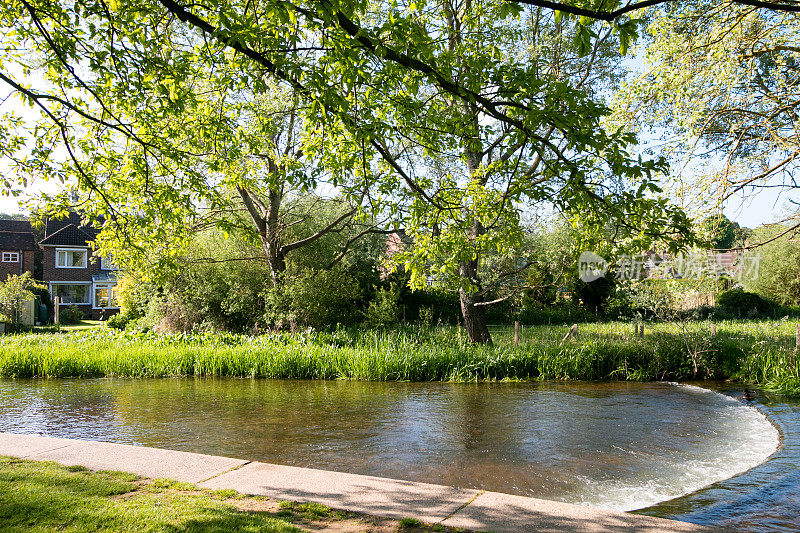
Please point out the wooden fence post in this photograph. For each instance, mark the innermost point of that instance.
(573, 333)
(713, 329)
(516, 333)
(56, 305)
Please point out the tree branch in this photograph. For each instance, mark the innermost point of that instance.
(788, 6)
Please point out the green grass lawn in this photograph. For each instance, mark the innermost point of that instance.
(36, 496)
(43, 496)
(83, 325)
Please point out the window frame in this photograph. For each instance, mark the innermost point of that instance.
(89, 291)
(106, 263)
(4, 259)
(112, 288)
(72, 250)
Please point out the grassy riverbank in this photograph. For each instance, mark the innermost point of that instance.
(760, 353)
(42, 496)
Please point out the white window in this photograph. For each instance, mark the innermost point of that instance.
(71, 293)
(105, 296)
(10, 257)
(106, 263)
(69, 258)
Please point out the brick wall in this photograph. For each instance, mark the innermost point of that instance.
(28, 261)
(9, 269)
(51, 273)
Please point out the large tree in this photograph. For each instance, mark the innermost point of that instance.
(442, 101)
(721, 81)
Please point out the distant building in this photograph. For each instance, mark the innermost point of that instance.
(17, 248)
(396, 242)
(72, 272)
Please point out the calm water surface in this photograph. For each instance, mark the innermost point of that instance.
(614, 445)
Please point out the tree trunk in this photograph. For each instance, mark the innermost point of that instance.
(474, 321)
(267, 221)
(271, 240)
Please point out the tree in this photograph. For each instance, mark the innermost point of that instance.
(468, 216)
(397, 94)
(725, 79)
(720, 232)
(14, 292)
(778, 262)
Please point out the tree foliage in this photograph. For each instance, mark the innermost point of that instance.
(451, 117)
(725, 79)
(14, 292)
(779, 265)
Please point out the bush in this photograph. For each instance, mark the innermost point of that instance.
(557, 313)
(118, 321)
(318, 299)
(778, 266)
(71, 315)
(439, 306)
(134, 296)
(175, 316)
(384, 310)
(742, 304)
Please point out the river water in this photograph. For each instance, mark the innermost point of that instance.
(620, 446)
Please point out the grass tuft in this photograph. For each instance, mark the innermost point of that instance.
(409, 523)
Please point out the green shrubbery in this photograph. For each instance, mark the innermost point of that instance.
(742, 304)
(70, 315)
(117, 321)
(315, 299)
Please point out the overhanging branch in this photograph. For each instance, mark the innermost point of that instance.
(610, 16)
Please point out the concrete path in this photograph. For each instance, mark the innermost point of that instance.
(463, 508)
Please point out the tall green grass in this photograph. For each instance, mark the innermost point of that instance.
(754, 352)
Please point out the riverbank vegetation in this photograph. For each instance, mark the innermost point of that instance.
(291, 195)
(753, 352)
(44, 496)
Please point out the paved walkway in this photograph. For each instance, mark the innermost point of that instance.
(469, 509)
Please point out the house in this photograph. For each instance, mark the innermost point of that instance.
(73, 273)
(17, 248)
(396, 242)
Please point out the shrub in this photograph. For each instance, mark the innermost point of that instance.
(71, 315)
(134, 295)
(557, 313)
(14, 292)
(176, 316)
(744, 304)
(319, 299)
(384, 310)
(118, 321)
(440, 306)
(778, 265)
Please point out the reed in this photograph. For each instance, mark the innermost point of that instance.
(753, 352)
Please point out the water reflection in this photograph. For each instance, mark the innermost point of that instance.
(617, 445)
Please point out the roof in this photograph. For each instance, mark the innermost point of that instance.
(69, 235)
(54, 225)
(402, 236)
(16, 240)
(16, 226)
